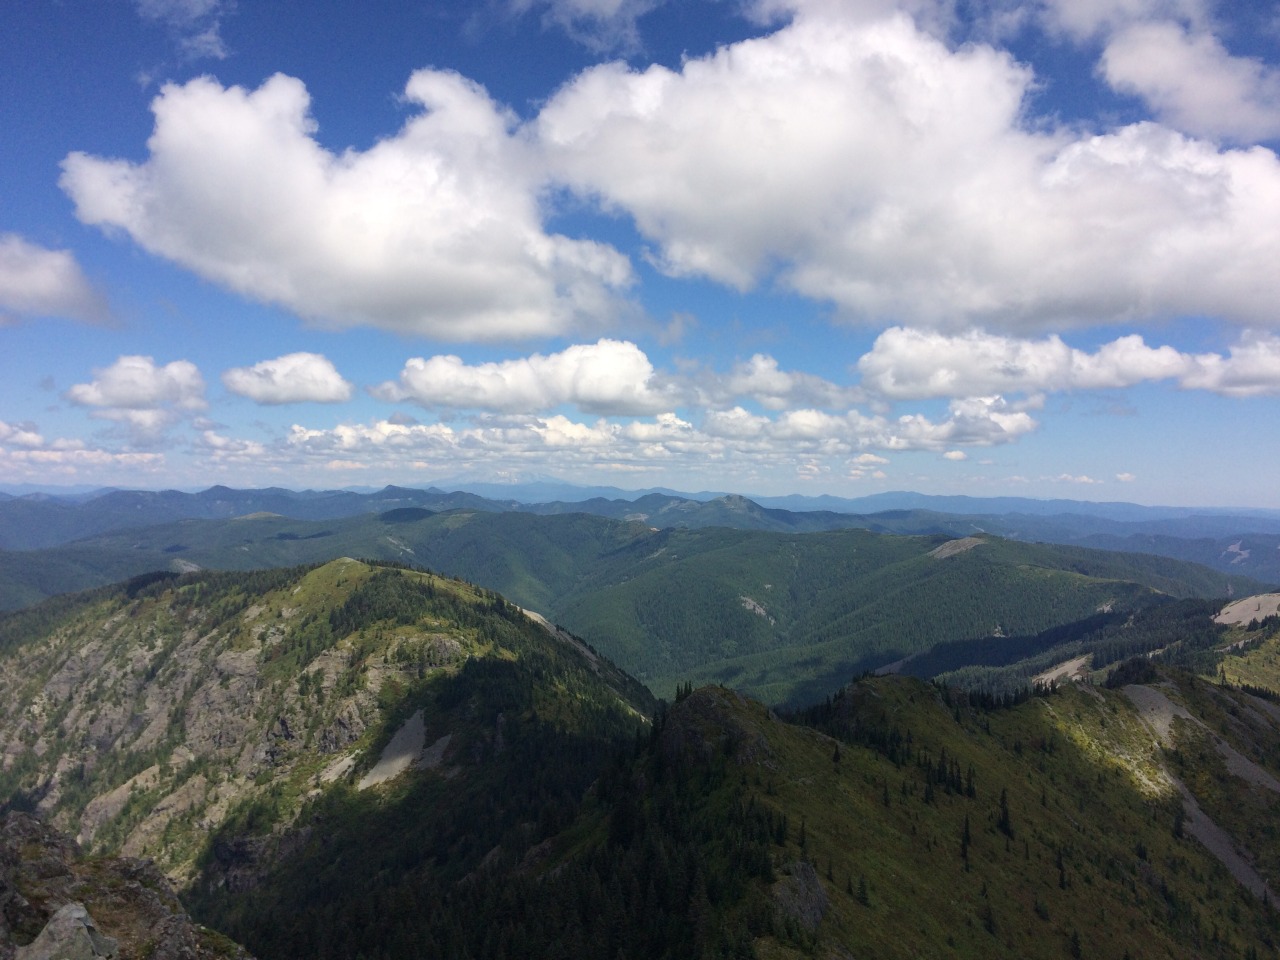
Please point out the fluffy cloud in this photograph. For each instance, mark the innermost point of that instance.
(908, 363)
(864, 163)
(608, 377)
(67, 461)
(36, 282)
(986, 421)
(914, 364)
(762, 380)
(26, 454)
(974, 421)
(1193, 83)
(293, 378)
(622, 373)
(137, 392)
(723, 445)
(1166, 52)
(232, 450)
(20, 435)
(851, 156)
(434, 231)
(1251, 368)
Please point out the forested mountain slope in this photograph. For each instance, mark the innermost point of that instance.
(352, 760)
(896, 820)
(526, 557)
(141, 717)
(791, 618)
(784, 616)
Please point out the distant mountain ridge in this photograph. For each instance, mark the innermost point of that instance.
(787, 615)
(1248, 545)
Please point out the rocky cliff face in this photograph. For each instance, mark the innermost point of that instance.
(56, 904)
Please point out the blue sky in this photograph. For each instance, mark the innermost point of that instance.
(764, 246)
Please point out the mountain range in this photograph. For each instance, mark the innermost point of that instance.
(356, 759)
(785, 616)
(1245, 542)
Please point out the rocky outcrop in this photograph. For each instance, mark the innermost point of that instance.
(70, 934)
(799, 898)
(56, 903)
(714, 720)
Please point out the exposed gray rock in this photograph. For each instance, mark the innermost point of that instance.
(70, 934)
(56, 905)
(799, 896)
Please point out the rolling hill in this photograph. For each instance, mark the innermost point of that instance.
(1241, 542)
(787, 617)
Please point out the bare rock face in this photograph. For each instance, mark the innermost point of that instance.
(798, 896)
(56, 904)
(70, 934)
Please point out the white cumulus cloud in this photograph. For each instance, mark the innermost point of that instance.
(1250, 368)
(863, 162)
(37, 282)
(224, 449)
(914, 364)
(1085, 19)
(608, 377)
(434, 231)
(718, 445)
(293, 378)
(763, 380)
(1193, 82)
(20, 435)
(911, 363)
(147, 397)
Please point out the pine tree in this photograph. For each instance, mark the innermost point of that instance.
(1004, 823)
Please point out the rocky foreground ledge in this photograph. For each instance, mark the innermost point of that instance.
(57, 903)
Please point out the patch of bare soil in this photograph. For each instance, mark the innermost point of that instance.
(400, 754)
(1159, 712)
(1067, 670)
(1250, 608)
(952, 547)
(1219, 843)
(562, 635)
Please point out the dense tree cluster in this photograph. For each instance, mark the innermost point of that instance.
(673, 855)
